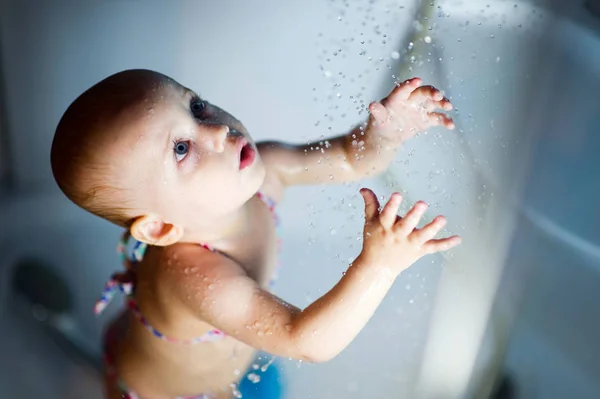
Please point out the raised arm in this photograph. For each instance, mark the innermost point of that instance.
(365, 151)
(228, 299)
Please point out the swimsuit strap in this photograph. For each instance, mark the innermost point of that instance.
(122, 281)
(125, 282)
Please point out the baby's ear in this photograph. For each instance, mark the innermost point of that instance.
(152, 230)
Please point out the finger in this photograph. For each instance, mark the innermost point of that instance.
(442, 244)
(409, 222)
(444, 104)
(371, 204)
(439, 119)
(428, 92)
(402, 91)
(388, 215)
(430, 230)
(379, 113)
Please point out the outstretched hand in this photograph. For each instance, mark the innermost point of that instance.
(409, 109)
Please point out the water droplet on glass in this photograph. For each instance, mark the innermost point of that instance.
(266, 366)
(427, 39)
(235, 391)
(254, 378)
(395, 55)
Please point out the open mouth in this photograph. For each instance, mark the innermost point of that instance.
(247, 155)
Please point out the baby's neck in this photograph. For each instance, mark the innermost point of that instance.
(225, 229)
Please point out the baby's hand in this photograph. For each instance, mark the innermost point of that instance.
(408, 110)
(393, 242)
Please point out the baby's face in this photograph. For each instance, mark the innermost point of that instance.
(186, 160)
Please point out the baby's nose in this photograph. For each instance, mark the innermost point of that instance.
(218, 136)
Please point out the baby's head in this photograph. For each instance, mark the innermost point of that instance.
(146, 153)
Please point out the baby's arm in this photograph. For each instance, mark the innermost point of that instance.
(240, 308)
(408, 110)
(224, 296)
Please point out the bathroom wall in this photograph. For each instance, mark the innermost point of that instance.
(4, 150)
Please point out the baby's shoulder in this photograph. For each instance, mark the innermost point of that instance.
(190, 263)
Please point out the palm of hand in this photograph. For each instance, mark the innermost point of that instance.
(408, 110)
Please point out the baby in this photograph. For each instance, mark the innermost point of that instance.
(197, 198)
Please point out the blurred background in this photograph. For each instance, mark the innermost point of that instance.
(512, 313)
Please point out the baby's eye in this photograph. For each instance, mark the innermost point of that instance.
(181, 149)
(197, 107)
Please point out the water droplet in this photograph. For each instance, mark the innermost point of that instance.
(266, 366)
(235, 391)
(427, 39)
(332, 232)
(395, 55)
(254, 378)
(211, 286)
